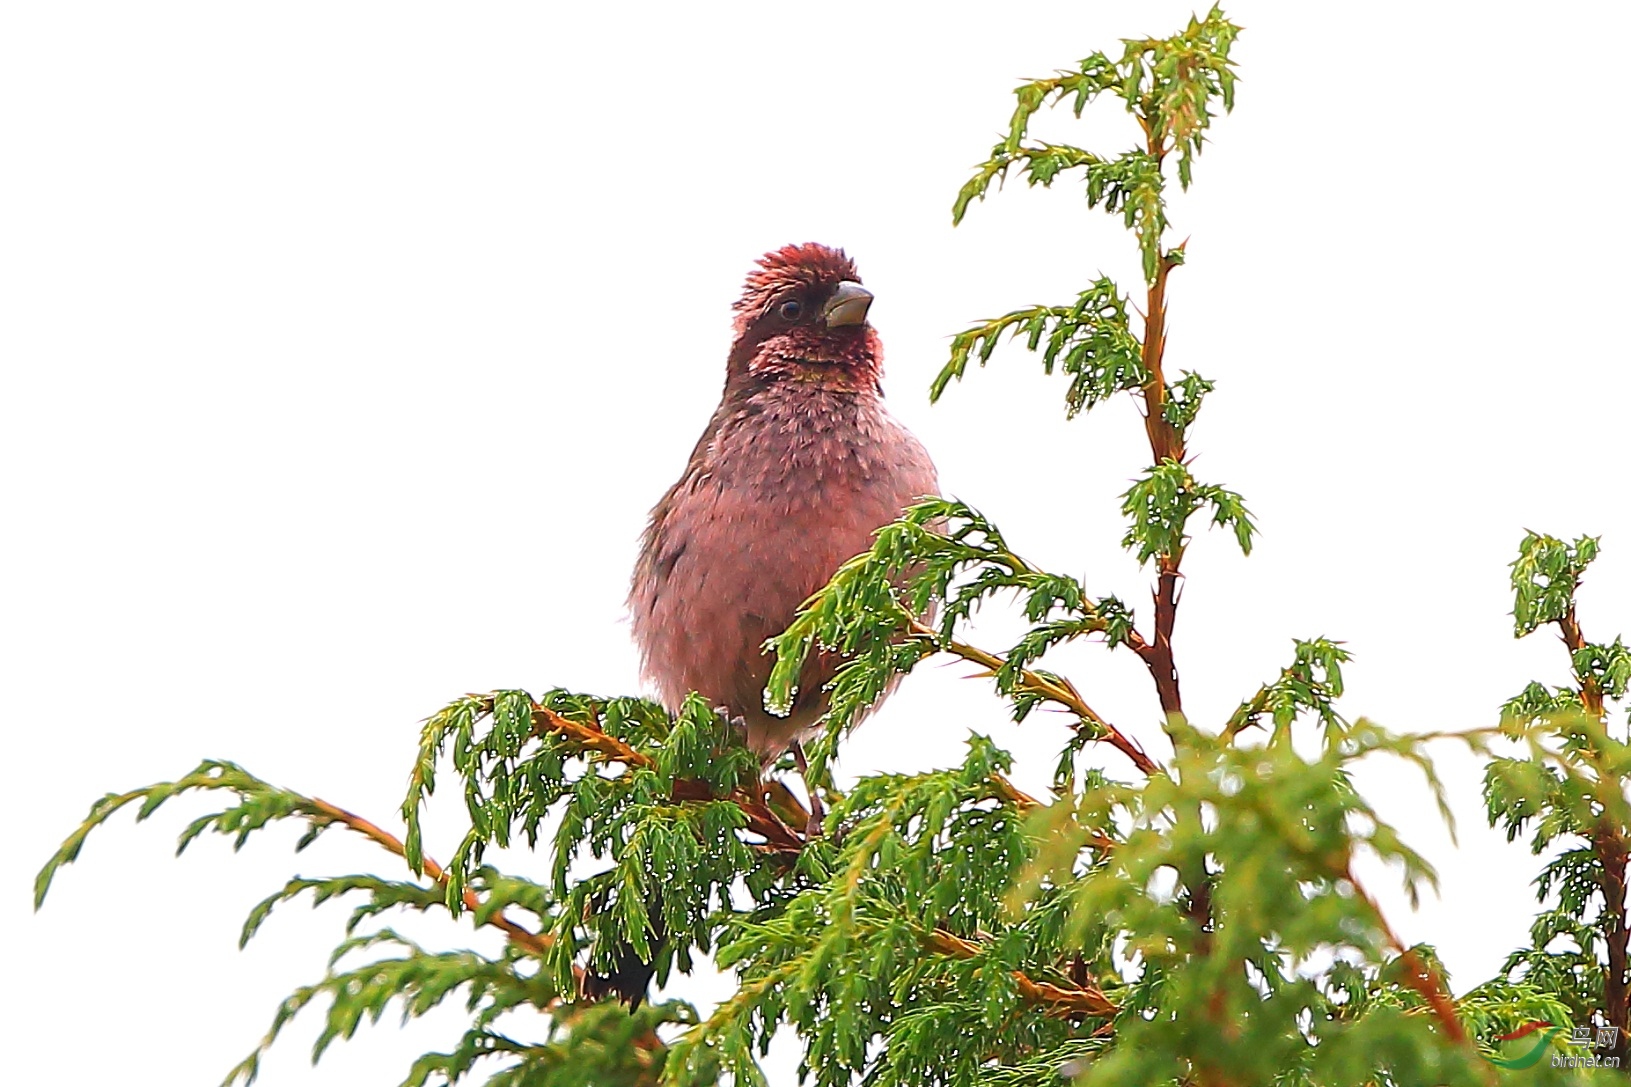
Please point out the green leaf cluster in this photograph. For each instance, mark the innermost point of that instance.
(943, 560)
(1091, 341)
(1545, 577)
(1169, 85)
(660, 816)
(1563, 788)
(1161, 502)
(371, 972)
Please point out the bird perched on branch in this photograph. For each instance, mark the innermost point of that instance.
(796, 470)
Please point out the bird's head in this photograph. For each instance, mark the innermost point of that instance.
(802, 317)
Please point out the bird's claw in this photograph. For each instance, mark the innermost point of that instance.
(818, 813)
(736, 726)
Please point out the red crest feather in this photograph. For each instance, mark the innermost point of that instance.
(810, 264)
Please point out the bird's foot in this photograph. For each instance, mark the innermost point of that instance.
(818, 813)
(736, 726)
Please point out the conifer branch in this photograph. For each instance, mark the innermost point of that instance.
(531, 942)
(1591, 691)
(585, 736)
(1166, 443)
(1053, 688)
(1426, 981)
(1613, 855)
(1546, 578)
(778, 836)
(1007, 790)
(1057, 1000)
(1025, 803)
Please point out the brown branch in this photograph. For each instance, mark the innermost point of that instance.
(1591, 692)
(1427, 982)
(531, 942)
(1058, 1001)
(761, 820)
(1612, 856)
(1199, 907)
(1166, 443)
(780, 837)
(1158, 654)
(1007, 790)
(788, 807)
(1165, 439)
(1058, 690)
(1026, 803)
(588, 737)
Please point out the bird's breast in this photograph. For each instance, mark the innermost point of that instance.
(783, 493)
(790, 491)
(800, 450)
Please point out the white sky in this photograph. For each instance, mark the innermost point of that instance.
(346, 346)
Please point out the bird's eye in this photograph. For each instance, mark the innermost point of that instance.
(790, 309)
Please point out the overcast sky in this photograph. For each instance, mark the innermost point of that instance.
(346, 346)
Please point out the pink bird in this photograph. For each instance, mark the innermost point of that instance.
(798, 467)
(796, 470)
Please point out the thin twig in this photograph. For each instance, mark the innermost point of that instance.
(531, 942)
(1026, 803)
(1427, 983)
(761, 820)
(1166, 443)
(1612, 855)
(1058, 1001)
(1007, 790)
(1057, 689)
(1591, 692)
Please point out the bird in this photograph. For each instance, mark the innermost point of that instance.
(798, 467)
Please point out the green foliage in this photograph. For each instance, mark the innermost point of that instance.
(1310, 684)
(1168, 84)
(1183, 401)
(941, 556)
(1160, 504)
(1564, 788)
(903, 937)
(1091, 341)
(258, 805)
(1545, 577)
(607, 774)
(1605, 668)
(1192, 918)
(1230, 880)
(580, 1045)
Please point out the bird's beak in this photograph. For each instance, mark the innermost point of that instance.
(848, 305)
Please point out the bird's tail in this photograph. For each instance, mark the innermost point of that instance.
(629, 976)
(627, 981)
